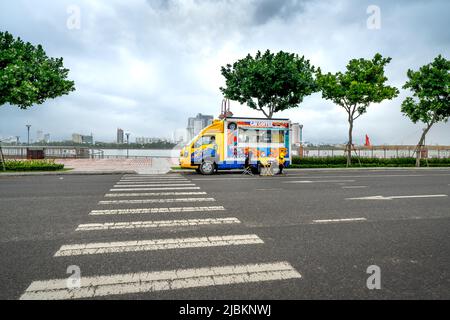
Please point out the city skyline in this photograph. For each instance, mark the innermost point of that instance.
(163, 67)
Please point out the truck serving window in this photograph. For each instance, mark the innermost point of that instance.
(278, 136)
(261, 136)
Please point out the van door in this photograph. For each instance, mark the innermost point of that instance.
(205, 148)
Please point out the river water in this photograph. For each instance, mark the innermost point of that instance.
(140, 153)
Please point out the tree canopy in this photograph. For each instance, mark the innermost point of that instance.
(269, 82)
(27, 75)
(430, 102)
(363, 83)
(431, 96)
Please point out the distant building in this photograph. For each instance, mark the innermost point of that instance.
(196, 124)
(8, 139)
(145, 140)
(179, 136)
(295, 133)
(120, 136)
(82, 139)
(39, 136)
(87, 139)
(77, 138)
(47, 137)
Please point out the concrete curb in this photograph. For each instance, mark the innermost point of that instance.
(337, 169)
(369, 168)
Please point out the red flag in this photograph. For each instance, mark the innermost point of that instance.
(367, 144)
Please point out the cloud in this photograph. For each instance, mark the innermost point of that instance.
(147, 65)
(266, 10)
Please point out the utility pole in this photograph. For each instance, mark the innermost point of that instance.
(301, 141)
(128, 143)
(28, 128)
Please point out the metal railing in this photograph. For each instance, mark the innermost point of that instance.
(57, 152)
(400, 151)
(50, 152)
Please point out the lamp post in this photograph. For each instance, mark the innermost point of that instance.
(301, 141)
(301, 134)
(28, 128)
(128, 142)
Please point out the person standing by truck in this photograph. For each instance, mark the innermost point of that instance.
(281, 160)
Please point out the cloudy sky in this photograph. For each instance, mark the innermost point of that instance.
(146, 66)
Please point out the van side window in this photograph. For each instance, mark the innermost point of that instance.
(204, 140)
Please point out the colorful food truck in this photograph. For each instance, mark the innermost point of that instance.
(231, 142)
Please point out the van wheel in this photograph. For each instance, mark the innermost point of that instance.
(207, 168)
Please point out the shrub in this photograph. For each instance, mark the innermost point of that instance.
(32, 165)
(341, 161)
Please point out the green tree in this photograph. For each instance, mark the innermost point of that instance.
(269, 82)
(27, 75)
(363, 83)
(430, 102)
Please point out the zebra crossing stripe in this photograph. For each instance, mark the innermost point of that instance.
(155, 185)
(152, 180)
(155, 224)
(153, 194)
(154, 210)
(110, 285)
(155, 189)
(159, 244)
(177, 200)
(151, 176)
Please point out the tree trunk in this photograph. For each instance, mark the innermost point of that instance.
(2, 159)
(420, 145)
(268, 115)
(350, 142)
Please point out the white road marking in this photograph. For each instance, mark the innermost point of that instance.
(399, 197)
(151, 176)
(155, 189)
(318, 181)
(339, 220)
(300, 176)
(155, 210)
(354, 187)
(157, 201)
(158, 244)
(100, 286)
(153, 194)
(155, 224)
(152, 180)
(155, 185)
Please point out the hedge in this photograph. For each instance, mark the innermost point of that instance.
(32, 165)
(341, 161)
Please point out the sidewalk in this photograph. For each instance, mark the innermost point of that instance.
(105, 166)
(142, 166)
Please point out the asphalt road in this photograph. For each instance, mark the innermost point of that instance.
(306, 235)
